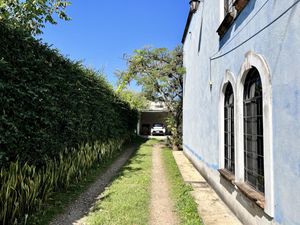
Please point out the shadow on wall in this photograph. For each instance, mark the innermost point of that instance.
(249, 205)
(237, 22)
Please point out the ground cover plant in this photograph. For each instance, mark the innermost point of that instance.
(185, 205)
(59, 201)
(127, 200)
(57, 120)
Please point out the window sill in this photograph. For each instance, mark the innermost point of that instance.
(239, 5)
(225, 24)
(246, 189)
(252, 194)
(227, 175)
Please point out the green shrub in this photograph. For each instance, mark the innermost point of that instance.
(49, 103)
(57, 120)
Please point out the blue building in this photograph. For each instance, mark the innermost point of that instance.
(241, 125)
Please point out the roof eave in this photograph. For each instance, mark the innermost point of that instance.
(187, 26)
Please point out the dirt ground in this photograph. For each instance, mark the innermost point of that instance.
(161, 205)
(85, 201)
(161, 208)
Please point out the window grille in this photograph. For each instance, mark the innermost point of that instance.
(253, 131)
(229, 129)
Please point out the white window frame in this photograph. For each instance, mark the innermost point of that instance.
(256, 60)
(229, 78)
(222, 14)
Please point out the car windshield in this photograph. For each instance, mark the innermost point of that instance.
(158, 125)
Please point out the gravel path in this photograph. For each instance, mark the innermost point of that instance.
(161, 205)
(86, 200)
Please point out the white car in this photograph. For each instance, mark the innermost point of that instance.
(158, 129)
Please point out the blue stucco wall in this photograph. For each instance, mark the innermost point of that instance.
(270, 28)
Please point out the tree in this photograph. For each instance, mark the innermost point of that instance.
(136, 100)
(31, 15)
(160, 73)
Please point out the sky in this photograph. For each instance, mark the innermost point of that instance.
(102, 31)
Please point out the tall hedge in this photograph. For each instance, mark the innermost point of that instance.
(49, 103)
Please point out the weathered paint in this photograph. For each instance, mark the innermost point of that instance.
(269, 28)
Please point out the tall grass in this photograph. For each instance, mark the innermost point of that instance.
(23, 188)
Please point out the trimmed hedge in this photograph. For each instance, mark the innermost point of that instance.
(57, 120)
(50, 103)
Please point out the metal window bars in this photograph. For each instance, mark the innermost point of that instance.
(229, 129)
(253, 131)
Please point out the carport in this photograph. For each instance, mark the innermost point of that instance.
(148, 118)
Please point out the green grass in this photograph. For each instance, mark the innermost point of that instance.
(185, 205)
(60, 200)
(127, 200)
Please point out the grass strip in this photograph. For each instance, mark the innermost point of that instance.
(60, 200)
(185, 205)
(127, 199)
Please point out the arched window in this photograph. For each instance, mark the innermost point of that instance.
(253, 131)
(229, 129)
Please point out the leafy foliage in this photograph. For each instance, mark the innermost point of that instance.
(25, 187)
(49, 103)
(57, 120)
(136, 100)
(160, 73)
(31, 15)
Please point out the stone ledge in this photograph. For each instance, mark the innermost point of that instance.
(227, 175)
(240, 5)
(229, 18)
(225, 24)
(252, 194)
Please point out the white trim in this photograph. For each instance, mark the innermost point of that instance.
(221, 11)
(256, 60)
(229, 78)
